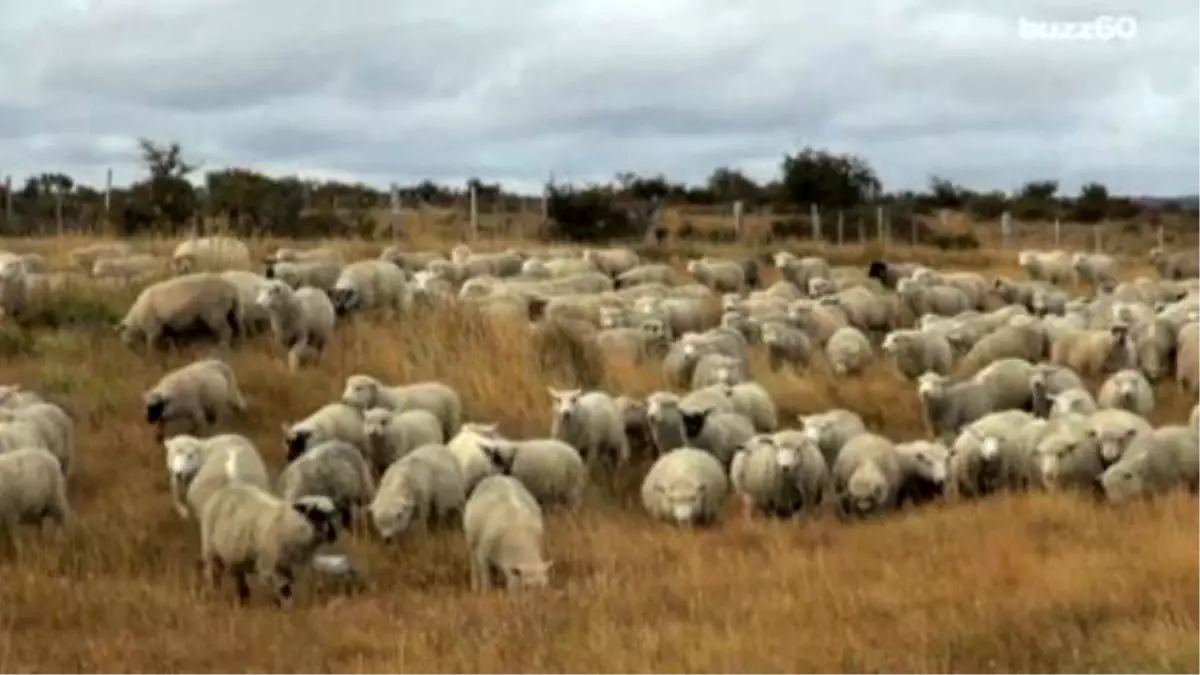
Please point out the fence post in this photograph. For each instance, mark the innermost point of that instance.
(1057, 232)
(737, 220)
(107, 197)
(473, 206)
(879, 224)
(841, 225)
(1161, 237)
(58, 209)
(1005, 228)
(8, 203)
(1096, 231)
(814, 215)
(395, 219)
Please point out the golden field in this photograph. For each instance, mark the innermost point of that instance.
(1011, 584)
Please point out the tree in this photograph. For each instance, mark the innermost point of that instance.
(727, 185)
(827, 179)
(1092, 203)
(946, 194)
(165, 196)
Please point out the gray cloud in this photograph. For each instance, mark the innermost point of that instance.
(509, 92)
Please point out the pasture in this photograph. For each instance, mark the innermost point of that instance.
(1038, 582)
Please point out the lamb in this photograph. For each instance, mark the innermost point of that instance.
(1052, 266)
(1165, 459)
(32, 489)
(85, 257)
(720, 433)
(1064, 456)
(753, 402)
(391, 435)
(198, 467)
(928, 463)
(552, 471)
(723, 276)
(334, 469)
(332, 421)
(14, 287)
(665, 421)
(503, 526)
(467, 449)
(180, 303)
(425, 487)
(210, 253)
(1127, 389)
(244, 528)
(868, 476)
(369, 285)
(1112, 430)
(950, 407)
(45, 422)
(831, 430)
(319, 274)
(1072, 401)
(1175, 265)
(591, 423)
(301, 320)
(916, 352)
(786, 344)
(193, 398)
(685, 486)
(1046, 381)
(364, 392)
(1091, 352)
(778, 478)
(1096, 269)
(848, 351)
(987, 455)
(1187, 358)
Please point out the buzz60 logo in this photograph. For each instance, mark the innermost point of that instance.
(1103, 28)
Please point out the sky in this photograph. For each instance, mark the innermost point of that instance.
(514, 90)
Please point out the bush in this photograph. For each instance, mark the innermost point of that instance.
(590, 215)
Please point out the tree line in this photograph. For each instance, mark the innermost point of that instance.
(166, 201)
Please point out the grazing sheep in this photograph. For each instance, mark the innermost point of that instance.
(1151, 344)
(988, 455)
(1091, 352)
(799, 271)
(245, 529)
(128, 267)
(365, 392)
(1072, 401)
(752, 401)
(391, 435)
(654, 273)
(301, 320)
(45, 422)
(1187, 358)
(1128, 389)
(85, 257)
(666, 422)
(611, 261)
(255, 319)
(917, 352)
(332, 421)
(722, 276)
(1050, 266)
(949, 407)
(32, 489)
(779, 479)
(319, 274)
(591, 423)
(786, 344)
(864, 309)
(1047, 381)
(1175, 264)
(1097, 269)
(717, 369)
(868, 476)
(334, 469)
(368, 285)
(1064, 455)
(503, 526)
(1022, 338)
(940, 300)
(552, 471)
(686, 486)
(831, 430)
(848, 351)
(198, 467)
(425, 487)
(193, 397)
(1113, 429)
(14, 287)
(182, 303)
(720, 433)
(1165, 459)
(817, 321)
(1009, 380)
(890, 274)
(928, 463)
(411, 261)
(210, 253)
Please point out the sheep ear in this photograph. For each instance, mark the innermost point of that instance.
(286, 428)
(555, 393)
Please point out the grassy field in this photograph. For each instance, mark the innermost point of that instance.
(1037, 583)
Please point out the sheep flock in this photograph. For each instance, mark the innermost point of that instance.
(1049, 381)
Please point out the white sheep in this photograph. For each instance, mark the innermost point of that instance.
(50, 424)
(216, 252)
(752, 401)
(1091, 352)
(686, 486)
(720, 433)
(987, 455)
(868, 477)
(552, 470)
(371, 284)
(665, 421)
(254, 319)
(198, 467)
(1128, 389)
(365, 392)
(332, 421)
(334, 469)
(786, 344)
(425, 487)
(831, 429)
(1112, 430)
(1074, 401)
(193, 398)
(391, 435)
(177, 304)
(244, 528)
(916, 352)
(1167, 458)
(14, 287)
(467, 449)
(32, 489)
(503, 526)
(949, 407)
(591, 423)
(84, 257)
(320, 274)
(848, 351)
(302, 320)
(779, 475)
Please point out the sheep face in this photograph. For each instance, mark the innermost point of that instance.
(654, 330)
(892, 342)
(565, 405)
(184, 457)
(1112, 443)
(658, 407)
(273, 295)
(321, 514)
(156, 407)
(782, 258)
(684, 499)
(1071, 402)
(693, 422)
(820, 287)
(1049, 455)
(376, 422)
(296, 441)
(500, 453)
(346, 299)
(11, 268)
(611, 317)
(866, 492)
(532, 574)
(393, 518)
(878, 269)
(930, 461)
(931, 385)
(360, 391)
(1121, 482)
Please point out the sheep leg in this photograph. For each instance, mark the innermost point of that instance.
(283, 588)
(481, 574)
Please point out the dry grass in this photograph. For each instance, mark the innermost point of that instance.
(1038, 583)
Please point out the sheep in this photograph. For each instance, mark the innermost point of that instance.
(713, 369)
(319, 274)
(1072, 401)
(848, 351)
(1046, 381)
(1009, 381)
(365, 392)
(1175, 264)
(293, 255)
(180, 303)
(928, 463)
(611, 261)
(723, 276)
(1096, 269)
(14, 287)
(13, 396)
(818, 321)
(85, 257)
(686, 486)
(391, 435)
(864, 309)
(1052, 266)
(665, 421)
(134, 266)
(799, 271)
(1162, 460)
(32, 489)
(467, 449)
(46, 422)
(890, 274)
(1063, 454)
(244, 528)
(553, 471)
(411, 261)
(681, 315)
(334, 469)
(500, 264)
(941, 300)
(987, 455)
(590, 422)
(916, 352)
(786, 344)
(720, 433)
(1113, 429)
(778, 478)
(1048, 302)
(302, 320)
(1150, 346)
(1022, 338)
(193, 397)
(831, 430)
(503, 526)
(368, 285)
(1187, 357)
(1091, 352)
(753, 402)
(425, 487)
(332, 421)
(1128, 389)
(868, 476)
(210, 253)
(254, 319)
(198, 467)
(949, 407)
(654, 273)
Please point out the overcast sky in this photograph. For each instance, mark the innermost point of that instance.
(510, 90)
